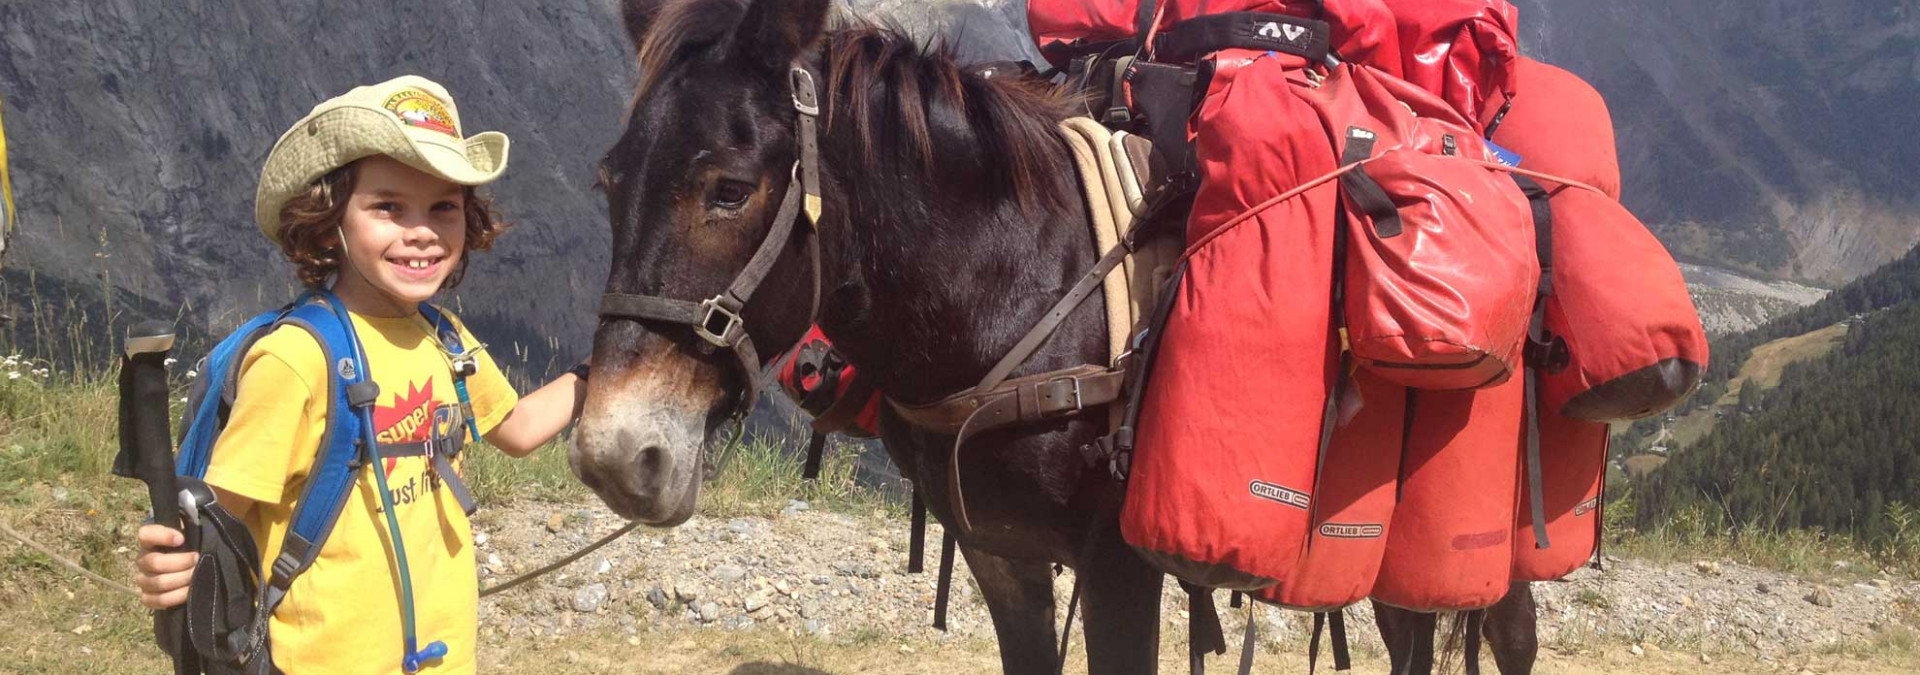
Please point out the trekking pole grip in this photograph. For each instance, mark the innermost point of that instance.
(146, 443)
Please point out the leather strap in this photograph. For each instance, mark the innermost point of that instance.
(1028, 399)
(1027, 345)
(944, 586)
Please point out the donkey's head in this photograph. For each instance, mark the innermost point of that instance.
(695, 185)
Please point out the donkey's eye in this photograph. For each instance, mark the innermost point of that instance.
(731, 194)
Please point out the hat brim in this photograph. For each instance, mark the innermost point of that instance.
(337, 137)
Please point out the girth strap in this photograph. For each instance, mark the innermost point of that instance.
(1028, 399)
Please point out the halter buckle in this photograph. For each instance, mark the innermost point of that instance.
(728, 325)
(806, 99)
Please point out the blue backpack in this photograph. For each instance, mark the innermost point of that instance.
(228, 607)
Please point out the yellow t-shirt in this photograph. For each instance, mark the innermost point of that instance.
(343, 614)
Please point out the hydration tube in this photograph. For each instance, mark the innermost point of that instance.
(413, 657)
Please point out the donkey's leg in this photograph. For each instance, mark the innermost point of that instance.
(1120, 600)
(1510, 629)
(1019, 596)
(1409, 638)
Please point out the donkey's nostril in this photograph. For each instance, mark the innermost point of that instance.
(651, 465)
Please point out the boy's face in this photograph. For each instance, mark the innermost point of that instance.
(404, 230)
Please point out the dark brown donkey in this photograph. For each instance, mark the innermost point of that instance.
(949, 225)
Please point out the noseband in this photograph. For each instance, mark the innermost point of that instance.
(717, 320)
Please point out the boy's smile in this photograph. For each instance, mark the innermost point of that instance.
(404, 231)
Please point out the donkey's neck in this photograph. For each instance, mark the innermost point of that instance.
(940, 267)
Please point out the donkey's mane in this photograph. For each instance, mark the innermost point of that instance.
(892, 91)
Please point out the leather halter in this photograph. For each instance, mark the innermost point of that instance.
(717, 320)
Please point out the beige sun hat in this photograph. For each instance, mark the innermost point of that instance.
(409, 118)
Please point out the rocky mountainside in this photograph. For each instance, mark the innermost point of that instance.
(1759, 134)
(137, 130)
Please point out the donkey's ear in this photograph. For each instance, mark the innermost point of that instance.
(774, 32)
(638, 16)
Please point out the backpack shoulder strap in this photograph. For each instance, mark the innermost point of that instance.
(220, 379)
(349, 395)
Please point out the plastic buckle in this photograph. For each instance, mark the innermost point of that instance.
(709, 308)
(465, 364)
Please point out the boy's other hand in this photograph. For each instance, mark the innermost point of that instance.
(163, 578)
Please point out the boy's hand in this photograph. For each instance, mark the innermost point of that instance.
(163, 578)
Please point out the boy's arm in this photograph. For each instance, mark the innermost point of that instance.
(540, 416)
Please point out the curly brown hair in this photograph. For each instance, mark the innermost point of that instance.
(309, 224)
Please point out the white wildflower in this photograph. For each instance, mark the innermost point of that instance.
(192, 374)
(169, 362)
(13, 360)
(42, 372)
(13, 374)
(183, 399)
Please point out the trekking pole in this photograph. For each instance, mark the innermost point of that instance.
(146, 446)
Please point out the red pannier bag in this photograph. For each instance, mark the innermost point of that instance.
(1352, 500)
(1573, 459)
(1440, 261)
(1226, 449)
(1464, 51)
(1451, 545)
(1559, 126)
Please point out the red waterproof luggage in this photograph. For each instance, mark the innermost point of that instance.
(1560, 126)
(1628, 342)
(1226, 447)
(1353, 502)
(1573, 458)
(1451, 545)
(1440, 263)
(1464, 51)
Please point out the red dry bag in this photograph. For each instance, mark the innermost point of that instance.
(1440, 261)
(1627, 341)
(1221, 477)
(1573, 459)
(1560, 126)
(1464, 51)
(1352, 500)
(1451, 546)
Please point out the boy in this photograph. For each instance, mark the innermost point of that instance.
(373, 191)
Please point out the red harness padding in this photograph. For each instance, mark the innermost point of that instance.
(1440, 264)
(1353, 501)
(816, 377)
(1573, 459)
(1464, 51)
(1451, 546)
(1559, 126)
(1227, 443)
